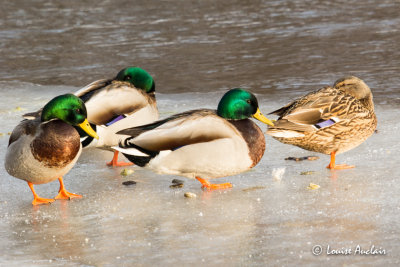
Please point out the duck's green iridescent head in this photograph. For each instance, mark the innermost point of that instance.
(69, 109)
(239, 104)
(137, 77)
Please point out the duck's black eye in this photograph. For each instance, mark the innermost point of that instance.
(79, 111)
(248, 101)
(128, 78)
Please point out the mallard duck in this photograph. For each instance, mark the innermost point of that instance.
(331, 120)
(114, 104)
(202, 143)
(46, 147)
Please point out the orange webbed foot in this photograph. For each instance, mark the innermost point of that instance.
(114, 162)
(333, 166)
(119, 164)
(40, 201)
(64, 194)
(206, 184)
(340, 167)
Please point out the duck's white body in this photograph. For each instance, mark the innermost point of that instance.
(226, 160)
(199, 144)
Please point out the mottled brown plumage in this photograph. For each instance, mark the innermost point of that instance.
(57, 144)
(329, 120)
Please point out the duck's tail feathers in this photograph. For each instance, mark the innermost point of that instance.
(135, 153)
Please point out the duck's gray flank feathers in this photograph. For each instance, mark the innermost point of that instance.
(26, 127)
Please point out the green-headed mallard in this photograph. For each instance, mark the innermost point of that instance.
(46, 147)
(114, 104)
(331, 120)
(201, 143)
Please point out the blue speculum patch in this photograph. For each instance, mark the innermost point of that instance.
(120, 117)
(324, 124)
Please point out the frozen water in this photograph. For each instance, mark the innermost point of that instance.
(196, 50)
(268, 217)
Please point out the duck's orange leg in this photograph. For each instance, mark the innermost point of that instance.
(38, 200)
(210, 186)
(64, 194)
(333, 166)
(114, 162)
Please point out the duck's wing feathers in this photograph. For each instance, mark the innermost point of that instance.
(179, 130)
(89, 90)
(33, 115)
(315, 111)
(25, 127)
(106, 100)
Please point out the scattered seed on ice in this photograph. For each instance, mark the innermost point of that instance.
(307, 173)
(176, 185)
(312, 186)
(190, 195)
(126, 172)
(302, 158)
(129, 183)
(253, 188)
(278, 173)
(177, 181)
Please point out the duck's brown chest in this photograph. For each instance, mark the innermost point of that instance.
(254, 138)
(56, 144)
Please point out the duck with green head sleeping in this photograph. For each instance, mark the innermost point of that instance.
(115, 104)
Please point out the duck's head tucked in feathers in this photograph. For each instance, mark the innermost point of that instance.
(138, 77)
(114, 104)
(357, 88)
(330, 120)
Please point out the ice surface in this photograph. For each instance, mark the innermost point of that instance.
(262, 220)
(197, 50)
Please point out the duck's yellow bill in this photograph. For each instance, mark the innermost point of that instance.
(88, 129)
(259, 116)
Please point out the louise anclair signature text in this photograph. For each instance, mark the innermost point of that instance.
(357, 250)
